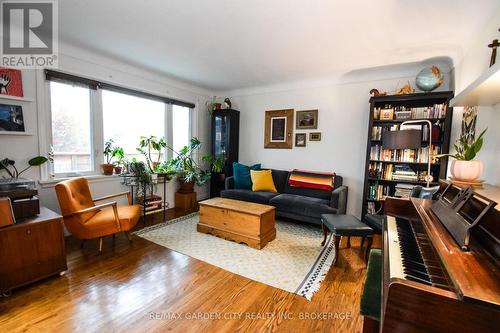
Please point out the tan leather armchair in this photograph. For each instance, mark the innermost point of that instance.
(86, 220)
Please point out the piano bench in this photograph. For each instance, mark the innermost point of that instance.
(370, 306)
(345, 225)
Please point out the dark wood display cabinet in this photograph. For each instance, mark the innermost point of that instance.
(225, 142)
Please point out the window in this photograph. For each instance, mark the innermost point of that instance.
(126, 118)
(85, 113)
(181, 128)
(71, 128)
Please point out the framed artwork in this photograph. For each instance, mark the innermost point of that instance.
(300, 139)
(315, 136)
(307, 119)
(11, 118)
(387, 114)
(469, 119)
(278, 129)
(11, 82)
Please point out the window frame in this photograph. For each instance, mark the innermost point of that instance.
(97, 124)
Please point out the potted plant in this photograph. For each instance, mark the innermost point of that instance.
(188, 172)
(149, 147)
(464, 167)
(10, 165)
(107, 168)
(213, 105)
(119, 155)
(141, 176)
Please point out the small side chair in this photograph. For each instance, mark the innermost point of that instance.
(86, 220)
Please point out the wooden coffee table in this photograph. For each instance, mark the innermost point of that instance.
(239, 221)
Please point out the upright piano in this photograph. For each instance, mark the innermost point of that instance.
(441, 263)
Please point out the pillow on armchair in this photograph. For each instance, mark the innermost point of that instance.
(241, 174)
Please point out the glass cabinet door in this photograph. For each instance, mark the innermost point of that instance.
(221, 131)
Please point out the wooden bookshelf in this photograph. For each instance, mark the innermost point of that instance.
(438, 168)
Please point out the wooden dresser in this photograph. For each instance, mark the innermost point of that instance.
(31, 249)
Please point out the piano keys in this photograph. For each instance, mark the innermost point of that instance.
(412, 256)
(431, 282)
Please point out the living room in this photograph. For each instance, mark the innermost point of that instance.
(169, 95)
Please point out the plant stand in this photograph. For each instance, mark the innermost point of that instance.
(185, 201)
(129, 180)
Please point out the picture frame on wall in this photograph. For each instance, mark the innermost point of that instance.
(307, 119)
(300, 139)
(11, 83)
(278, 129)
(315, 136)
(11, 119)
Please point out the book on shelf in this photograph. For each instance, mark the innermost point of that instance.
(436, 111)
(403, 190)
(150, 208)
(151, 202)
(371, 208)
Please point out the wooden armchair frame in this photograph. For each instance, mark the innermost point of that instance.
(112, 204)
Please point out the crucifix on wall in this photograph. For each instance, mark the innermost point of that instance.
(494, 45)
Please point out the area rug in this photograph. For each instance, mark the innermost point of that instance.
(295, 261)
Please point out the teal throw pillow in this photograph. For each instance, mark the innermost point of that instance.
(241, 175)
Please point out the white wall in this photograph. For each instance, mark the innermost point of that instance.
(89, 64)
(472, 65)
(343, 121)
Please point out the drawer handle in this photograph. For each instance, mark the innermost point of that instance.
(28, 231)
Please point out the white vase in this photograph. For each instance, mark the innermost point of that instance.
(466, 170)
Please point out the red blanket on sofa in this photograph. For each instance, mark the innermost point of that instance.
(312, 179)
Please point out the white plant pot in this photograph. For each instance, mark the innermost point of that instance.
(466, 170)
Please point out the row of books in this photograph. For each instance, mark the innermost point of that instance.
(378, 192)
(377, 132)
(370, 207)
(420, 155)
(395, 172)
(151, 202)
(436, 111)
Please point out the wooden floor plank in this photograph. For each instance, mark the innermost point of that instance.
(144, 287)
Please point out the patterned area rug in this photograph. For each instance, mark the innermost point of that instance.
(295, 261)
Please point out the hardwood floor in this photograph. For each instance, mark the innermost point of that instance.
(143, 287)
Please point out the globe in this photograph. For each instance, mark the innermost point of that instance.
(429, 78)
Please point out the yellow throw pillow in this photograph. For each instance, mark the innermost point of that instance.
(262, 180)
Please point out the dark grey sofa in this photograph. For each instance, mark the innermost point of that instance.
(301, 204)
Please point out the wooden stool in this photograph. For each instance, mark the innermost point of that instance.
(346, 225)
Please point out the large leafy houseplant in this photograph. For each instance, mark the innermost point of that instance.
(185, 167)
(9, 165)
(464, 167)
(141, 176)
(467, 151)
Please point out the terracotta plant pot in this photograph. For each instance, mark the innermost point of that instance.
(466, 170)
(107, 169)
(118, 170)
(186, 187)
